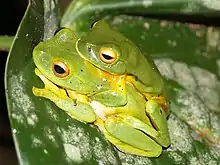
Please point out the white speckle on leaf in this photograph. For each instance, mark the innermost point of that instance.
(36, 142)
(45, 151)
(14, 130)
(32, 119)
(202, 83)
(208, 160)
(49, 134)
(18, 117)
(198, 103)
(52, 113)
(97, 139)
(183, 75)
(194, 161)
(193, 110)
(147, 3)
(190, 7)
(212, 4)
(146, 25)
(106, 155)
(116, 21)
(208, 87)
(215, 125)
(210, 97)
(212, 39)
(216, 134)
(100, 162)
(58, 129)
(22, 106)
(164, 23)
(165, 67)
(176, 157)
(205, 159)
(172, 43)
(70, 137)
(73, 152)
(128, 159)
(143, 37)
(204, 78)
(179, 135)
(87, 147)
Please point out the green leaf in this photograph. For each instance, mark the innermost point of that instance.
(43, 134)
(188, 57)
(80, 14)
(186, 54)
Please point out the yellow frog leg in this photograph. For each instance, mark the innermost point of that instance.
(159, 121)
(76, 109)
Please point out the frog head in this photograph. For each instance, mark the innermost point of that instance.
(58, 61)
(112, 52)
(106, 48)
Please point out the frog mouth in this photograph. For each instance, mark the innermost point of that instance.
(50, 88)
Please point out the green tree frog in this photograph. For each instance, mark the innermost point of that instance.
(97, 81)
(113, 52)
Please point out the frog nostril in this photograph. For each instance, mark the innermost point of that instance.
(89, 48)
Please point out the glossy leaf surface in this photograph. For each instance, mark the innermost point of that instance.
(186, 54)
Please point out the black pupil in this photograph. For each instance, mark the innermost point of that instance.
(58, 69)
(107, 57)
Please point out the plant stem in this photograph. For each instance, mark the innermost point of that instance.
(6, 42)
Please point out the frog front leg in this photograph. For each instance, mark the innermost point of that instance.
(77, 108)
(111, 98)
(129, 139)
(116, 95)
(159, 122)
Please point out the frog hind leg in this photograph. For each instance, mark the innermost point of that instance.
(159, 121)
(128, 139)
(76, 109)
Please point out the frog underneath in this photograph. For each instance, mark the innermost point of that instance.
(115, 102)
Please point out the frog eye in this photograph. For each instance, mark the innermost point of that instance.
(58, 30)
(108, 55)
(60, 69)
(93, 24)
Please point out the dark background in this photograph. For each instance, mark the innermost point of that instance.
(11, 13)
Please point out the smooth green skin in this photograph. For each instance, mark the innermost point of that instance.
(82, 78)
(134, 132)
(138, 127)
(130, 59)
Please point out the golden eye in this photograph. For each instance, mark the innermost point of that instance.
(107, 55)
(60, 69)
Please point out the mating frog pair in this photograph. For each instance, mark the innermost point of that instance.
(105, 79)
